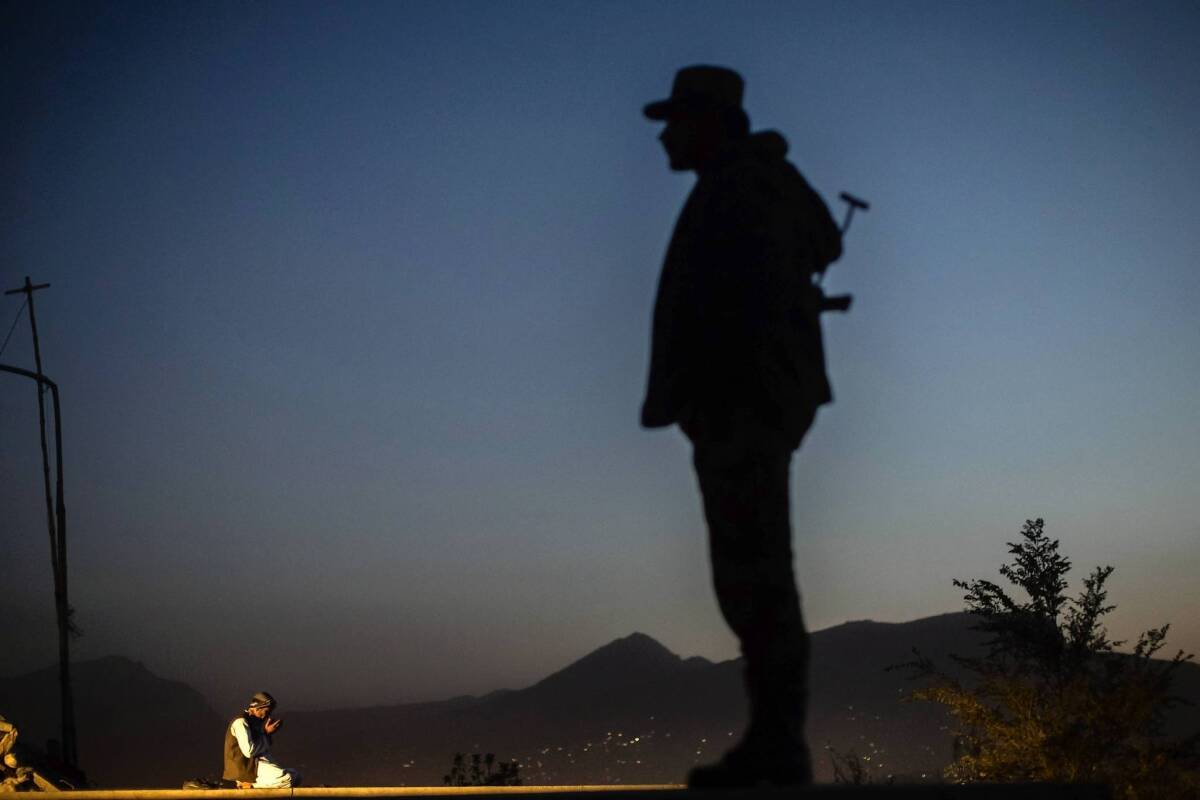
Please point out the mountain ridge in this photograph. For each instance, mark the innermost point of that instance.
(630, 711)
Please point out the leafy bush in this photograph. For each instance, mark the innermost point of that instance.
(1052, 700)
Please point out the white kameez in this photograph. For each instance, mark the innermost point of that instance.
(269, 775)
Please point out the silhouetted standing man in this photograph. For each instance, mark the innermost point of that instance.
(738, 363)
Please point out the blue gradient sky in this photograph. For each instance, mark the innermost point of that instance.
(351, 304)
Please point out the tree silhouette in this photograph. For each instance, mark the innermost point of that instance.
(849, 768)
(482, 771)
(1052, 700)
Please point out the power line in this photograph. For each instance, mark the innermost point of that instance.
(14, 325)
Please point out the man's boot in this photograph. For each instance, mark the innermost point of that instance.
(773, 751)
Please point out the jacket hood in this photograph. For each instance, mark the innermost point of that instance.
(769, 145)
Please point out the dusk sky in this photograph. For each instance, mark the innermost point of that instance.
(350, 311)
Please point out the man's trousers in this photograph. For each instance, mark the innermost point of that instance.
(744, 484)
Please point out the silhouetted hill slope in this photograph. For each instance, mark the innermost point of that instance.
(633, 712)
(629, 712)
(135, 729)
(618, 666)
(625, 677)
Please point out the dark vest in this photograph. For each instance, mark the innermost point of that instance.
(237, 766)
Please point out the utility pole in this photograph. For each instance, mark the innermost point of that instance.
(58, 540)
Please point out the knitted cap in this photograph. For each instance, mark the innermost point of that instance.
(261, 700)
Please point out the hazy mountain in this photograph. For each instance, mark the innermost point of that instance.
(629, 712)
(134, 728)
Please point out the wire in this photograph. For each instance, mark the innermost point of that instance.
(14, 326)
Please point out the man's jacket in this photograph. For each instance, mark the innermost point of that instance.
(737, 329)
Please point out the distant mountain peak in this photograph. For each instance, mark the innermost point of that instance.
(636, 643)
(629, 659)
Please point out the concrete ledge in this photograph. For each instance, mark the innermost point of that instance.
(626, 792)
(1027, 791)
